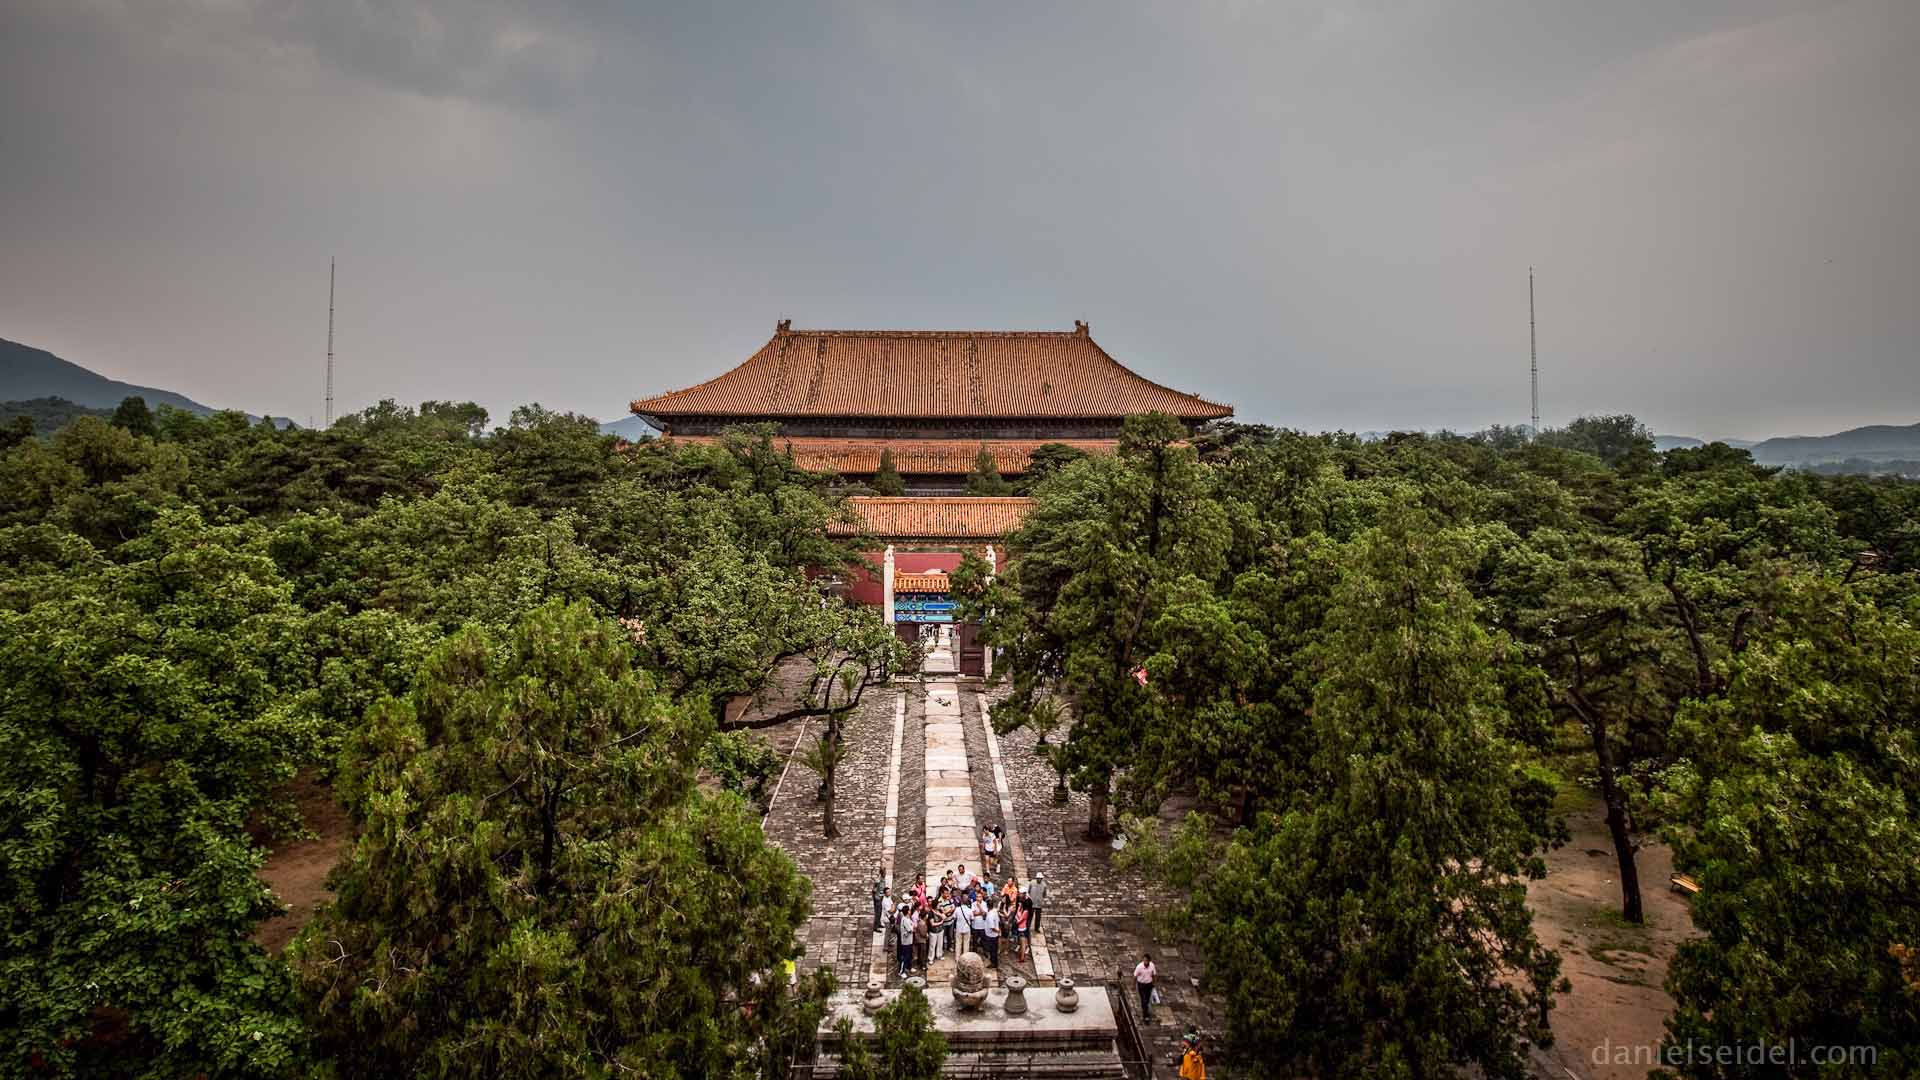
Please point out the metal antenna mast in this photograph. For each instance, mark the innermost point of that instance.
(330, 341)
(1533, 349)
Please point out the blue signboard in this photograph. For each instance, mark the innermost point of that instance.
(923, 607)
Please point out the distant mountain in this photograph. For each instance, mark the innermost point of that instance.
(630, 428)
(1688, 442)
(27, 373)
(1877, 442)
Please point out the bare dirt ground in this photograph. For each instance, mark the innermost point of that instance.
(1617, 969)
(297, 871)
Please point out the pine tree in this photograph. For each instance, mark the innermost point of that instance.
(886, 479)
(985, 479)
(539, 888)
(1376, 923)
(134, 416)
(905, 1044)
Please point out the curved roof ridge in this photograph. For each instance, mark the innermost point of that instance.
(1130, 373)
(916, 373)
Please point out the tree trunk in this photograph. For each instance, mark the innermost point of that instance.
(827, 792)
(1097, 813)
(550, 835)
(1616, 801)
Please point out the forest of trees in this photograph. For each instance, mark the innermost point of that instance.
(1369, 659)
(509, 652)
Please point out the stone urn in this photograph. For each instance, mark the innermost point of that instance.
(970, 981)
(1065, 997)
(917, 984)
(1016, 994)
(876, 998)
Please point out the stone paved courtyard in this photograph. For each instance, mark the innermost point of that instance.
(1095, 926)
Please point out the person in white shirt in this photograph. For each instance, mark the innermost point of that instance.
(993, 937)
(903, 946)
(1143, 973)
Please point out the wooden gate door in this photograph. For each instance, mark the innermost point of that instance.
(973, 655)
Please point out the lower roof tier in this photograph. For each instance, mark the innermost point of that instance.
(942, 457)
(958, 517)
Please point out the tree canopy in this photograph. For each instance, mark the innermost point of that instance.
(199, 609)
(1362, 657)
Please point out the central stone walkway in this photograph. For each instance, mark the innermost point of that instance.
(952, 835)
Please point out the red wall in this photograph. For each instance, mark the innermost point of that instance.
(865, 589)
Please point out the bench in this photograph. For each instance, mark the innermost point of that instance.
(1684, 884)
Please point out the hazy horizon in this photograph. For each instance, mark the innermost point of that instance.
(1320, 214)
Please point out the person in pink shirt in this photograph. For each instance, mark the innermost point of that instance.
(1143, 973)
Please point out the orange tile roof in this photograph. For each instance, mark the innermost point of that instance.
(913, 456)
(929, 374)
(928, 517)
(920, 583)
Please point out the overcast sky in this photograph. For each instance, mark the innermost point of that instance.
(1320, 213)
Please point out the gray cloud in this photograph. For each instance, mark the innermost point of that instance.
(1321, 212)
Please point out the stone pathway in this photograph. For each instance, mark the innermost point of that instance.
(918, 770)
(843, 869)
(952, 835)
(941, 659)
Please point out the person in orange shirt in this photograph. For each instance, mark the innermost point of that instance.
(1193, 1066)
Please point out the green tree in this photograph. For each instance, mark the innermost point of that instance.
(905, 1044)
(1376, 923)
(1046, 460)
(1793, 802)
(1614, 665)
(1619, 440)
(1074, 615)
(824, 756)
(539, 888)
(552, 459)
(134, 416)
(92, 478)
(985, 479)
(15, 432)
(886, 478)
(145, 724)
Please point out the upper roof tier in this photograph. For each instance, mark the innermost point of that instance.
(929, 374)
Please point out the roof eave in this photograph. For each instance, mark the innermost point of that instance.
(648, 411)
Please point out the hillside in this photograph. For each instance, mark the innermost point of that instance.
(1877, 442)
(1688, 442)
(27, 373)
(49, 414)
